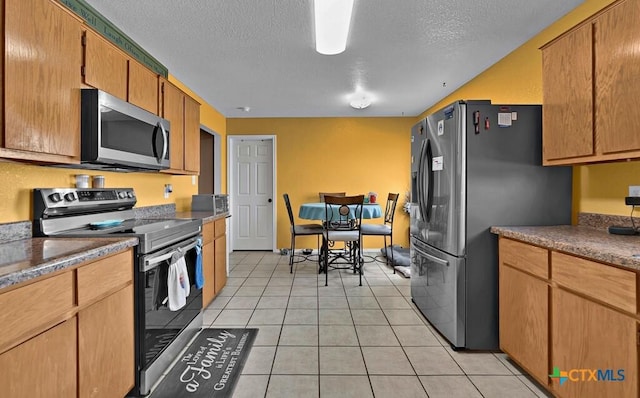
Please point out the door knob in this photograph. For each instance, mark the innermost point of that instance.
(270, 200)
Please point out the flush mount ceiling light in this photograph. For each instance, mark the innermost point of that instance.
(332, 19)
(360, 101)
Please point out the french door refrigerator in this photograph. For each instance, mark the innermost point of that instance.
(475, 165)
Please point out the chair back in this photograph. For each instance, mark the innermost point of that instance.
(343, 213)
(288, 204)
(390, 210)
(323, 194)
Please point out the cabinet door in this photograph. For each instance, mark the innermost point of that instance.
(567, 76)
(524, 321)
(191, 135)
(208, 268)
(105, 66)
(221, 262)
(586, 335)
(143, 87)
(43, 367)
(43, 58)
(106, 346)
(173, 111)
(617, 77)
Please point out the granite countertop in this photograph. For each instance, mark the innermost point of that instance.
(25, 259)
(205, 216)
(584, 241)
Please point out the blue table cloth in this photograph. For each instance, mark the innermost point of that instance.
(316, 211)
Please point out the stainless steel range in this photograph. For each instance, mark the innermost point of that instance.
(160, 334)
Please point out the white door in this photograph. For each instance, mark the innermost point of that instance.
(252, 194)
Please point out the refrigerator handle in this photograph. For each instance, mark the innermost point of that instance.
(431, 257)
(425, 203)
(419, 181)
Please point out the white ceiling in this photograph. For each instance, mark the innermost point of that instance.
(260, 53)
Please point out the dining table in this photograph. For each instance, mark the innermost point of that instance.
(317, 211)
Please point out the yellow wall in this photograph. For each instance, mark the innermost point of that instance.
(356, 155)
(517, 78)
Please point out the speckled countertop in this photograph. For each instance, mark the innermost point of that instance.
(588, 242)
(21, 260)
(205, 216)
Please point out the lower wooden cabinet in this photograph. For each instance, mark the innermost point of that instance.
(524, 321)
(221, 262)
(42, 367)
(72, 334)
(214, 259)
(208, 268)
(587, 335)
(106, 346)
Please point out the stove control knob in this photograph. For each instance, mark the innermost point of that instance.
(122, 195)
(55, 197)
(69, 197)
(129, 194)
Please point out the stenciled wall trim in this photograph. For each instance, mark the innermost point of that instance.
(110, 32)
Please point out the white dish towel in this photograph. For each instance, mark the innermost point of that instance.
(178, 283)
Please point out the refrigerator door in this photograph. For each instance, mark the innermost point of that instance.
(438, 290)
(441, 181)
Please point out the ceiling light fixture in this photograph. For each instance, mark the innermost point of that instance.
(332, 19)
(360, 101)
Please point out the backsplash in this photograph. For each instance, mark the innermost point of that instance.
(15, 231)
(604, 221)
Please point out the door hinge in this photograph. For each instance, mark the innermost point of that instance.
(82, 70)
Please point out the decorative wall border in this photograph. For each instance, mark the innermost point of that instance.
(110, 32)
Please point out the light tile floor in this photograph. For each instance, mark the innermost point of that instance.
(346, 340)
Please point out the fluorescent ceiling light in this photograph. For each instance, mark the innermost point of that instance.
(332, 18)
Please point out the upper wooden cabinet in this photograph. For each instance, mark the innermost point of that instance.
(589, 73)
(617, 72)
(567, 122)
(105, 66)
(183, 113)
(143, 87)
(42, 61)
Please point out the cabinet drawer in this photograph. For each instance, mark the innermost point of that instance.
(608, 284)
(528, 258)
(208, 232)
(32, 307)
(221, 226)
(103, 276)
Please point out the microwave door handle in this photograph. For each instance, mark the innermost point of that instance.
(165, 142)
(154, 261)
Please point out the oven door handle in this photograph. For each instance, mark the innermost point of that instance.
(154, 261)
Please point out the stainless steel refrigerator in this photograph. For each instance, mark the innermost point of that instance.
(475, 165)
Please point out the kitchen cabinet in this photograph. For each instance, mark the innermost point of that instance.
(76, 339)
(220, 253)
(42, 61)
(570, 313)
(105, 328)
(105, 66)
(587, 73)
(208, 264)
(184, 115)
(524, 306)
(143, 87)
(43, 366)
(567, 83)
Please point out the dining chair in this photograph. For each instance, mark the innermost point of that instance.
(386, 228)
(299, 230)
(323, 194)
(343, 220)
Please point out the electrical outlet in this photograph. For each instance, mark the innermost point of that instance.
(193, 180)
(168, 188)
(634, 190)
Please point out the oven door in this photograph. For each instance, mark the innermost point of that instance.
(161, 333)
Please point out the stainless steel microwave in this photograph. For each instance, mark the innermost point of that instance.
(116, 135)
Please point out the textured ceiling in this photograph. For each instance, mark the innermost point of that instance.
(260, 53)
